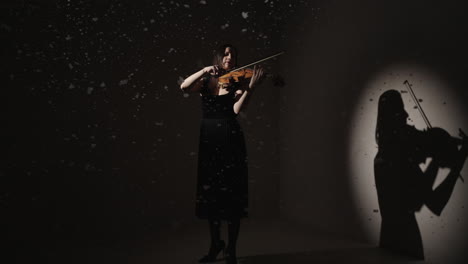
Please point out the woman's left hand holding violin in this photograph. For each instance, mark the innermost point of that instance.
(257, 77)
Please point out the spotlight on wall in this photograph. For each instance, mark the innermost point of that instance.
(444, 109)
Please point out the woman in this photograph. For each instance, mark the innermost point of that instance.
(222, 163)
(402, 187)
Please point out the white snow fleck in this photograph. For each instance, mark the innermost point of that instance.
(68, 37)
(123, 82)
(244, 30)
(180, 80)
(95, 19)
(171, 50)
(186, 95)
(203, 2)
(90, 90)
(70, 66)
(225, 26)
(166, 88)
(245, 15)
(71, 86)
(152, 21)
(102, 84)
(186, 6)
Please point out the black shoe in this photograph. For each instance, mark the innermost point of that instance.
(230, 256)
(213, 253)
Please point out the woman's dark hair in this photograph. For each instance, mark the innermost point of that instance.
(391, 115)
(219, 54)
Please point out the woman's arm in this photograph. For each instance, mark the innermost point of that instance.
(193, 83)
(246, 94)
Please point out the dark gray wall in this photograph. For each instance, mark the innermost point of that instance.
(99, 140)
(330, 59)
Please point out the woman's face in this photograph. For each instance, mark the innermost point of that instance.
(228, 59)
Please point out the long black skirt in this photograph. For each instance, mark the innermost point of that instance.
(222, 170)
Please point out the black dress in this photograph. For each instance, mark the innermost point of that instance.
(222, 161)
(401, 189)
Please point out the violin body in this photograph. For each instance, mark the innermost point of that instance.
(442, 146)
(244, 75)
(236, 76)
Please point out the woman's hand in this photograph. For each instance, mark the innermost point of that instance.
(257, 77)
(213, 70)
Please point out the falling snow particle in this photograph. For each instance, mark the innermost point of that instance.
(102, 84)
(70, 66)
(186, 95)
(186, 6)
(95, 19)
(68, 37)
(71, 86)
(90, 90)
(245, 15)
(180, 80)
(123, 82)
(203, 2)
(225, 26)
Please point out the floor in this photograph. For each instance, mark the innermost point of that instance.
(260, 242)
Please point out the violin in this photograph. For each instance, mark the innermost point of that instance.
(236, 76)
(244, 73)
(441, 145)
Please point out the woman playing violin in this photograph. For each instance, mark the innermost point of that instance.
(402, 186)
(222, 160)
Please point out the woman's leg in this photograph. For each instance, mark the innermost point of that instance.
(217, 245)
(233, 233)
(215, 226)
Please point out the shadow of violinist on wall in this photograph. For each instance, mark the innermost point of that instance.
(402, 186)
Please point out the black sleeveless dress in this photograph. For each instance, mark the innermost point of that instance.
(222, 161)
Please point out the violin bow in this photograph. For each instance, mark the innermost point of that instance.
(413, 96)
(256, 62)
(421, 111)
